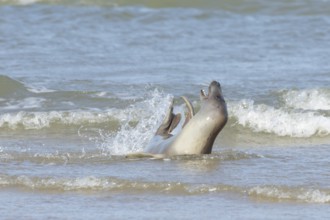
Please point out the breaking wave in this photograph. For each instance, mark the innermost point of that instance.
(282, 121)
(26, 108)
(312, 99)
(117, 185)
(300, 113)
(41, 120)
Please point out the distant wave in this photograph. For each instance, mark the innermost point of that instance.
(10, 87)
(303, 7)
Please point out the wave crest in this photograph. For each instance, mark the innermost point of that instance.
(312, 99)
(41, 120)
(282, 122)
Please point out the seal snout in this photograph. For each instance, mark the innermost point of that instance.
(215, 83)
(215, 89)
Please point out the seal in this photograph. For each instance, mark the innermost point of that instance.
(198, 132)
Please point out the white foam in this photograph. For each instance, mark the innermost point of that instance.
(101, 94)
(85, 183)
(264, 118)
(313, 99)
(133, 138)
(40, 120)
(20, 2)
(315, 196)
(40, 90)
(27, 2)
(27, 103)
(284, 193)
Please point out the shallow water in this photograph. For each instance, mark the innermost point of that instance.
(84, 83)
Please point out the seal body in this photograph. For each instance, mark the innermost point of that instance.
(199, 130)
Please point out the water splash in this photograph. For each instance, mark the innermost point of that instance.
(139, 125)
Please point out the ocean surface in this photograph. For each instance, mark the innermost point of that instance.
(83, 83)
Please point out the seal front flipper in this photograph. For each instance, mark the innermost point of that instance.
(190, 112)
(170, 122)
(203, 96)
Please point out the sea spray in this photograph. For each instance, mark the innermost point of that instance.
(140, 124)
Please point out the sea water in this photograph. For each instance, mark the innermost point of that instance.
(84, 83)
